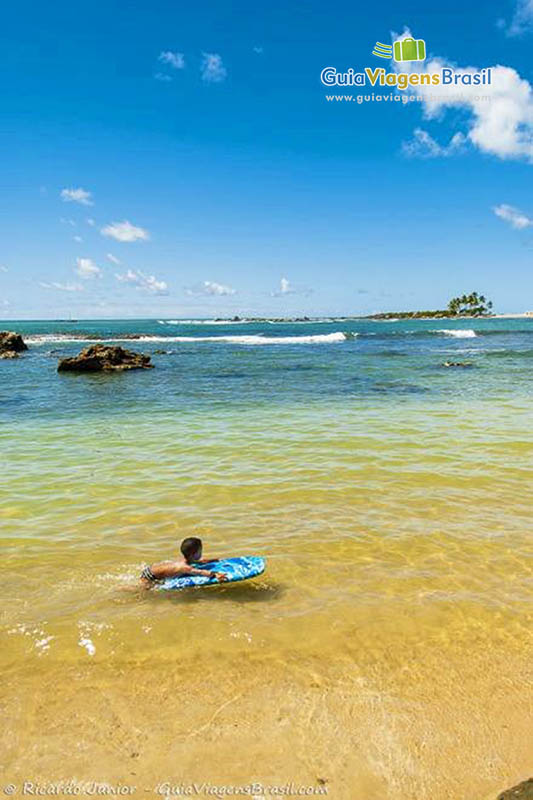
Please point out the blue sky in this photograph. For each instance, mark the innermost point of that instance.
(206, 129)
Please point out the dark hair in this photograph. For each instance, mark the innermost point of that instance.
(190, 546)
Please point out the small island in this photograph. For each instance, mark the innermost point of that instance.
(463, 306)
(467, 305)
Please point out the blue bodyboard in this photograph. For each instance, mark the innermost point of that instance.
(237, 569)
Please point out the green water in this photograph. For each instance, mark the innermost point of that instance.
(390, 635)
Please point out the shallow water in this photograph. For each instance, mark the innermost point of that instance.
(386, 650)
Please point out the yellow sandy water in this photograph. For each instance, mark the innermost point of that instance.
(385, 653)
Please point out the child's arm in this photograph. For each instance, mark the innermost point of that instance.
(208, 573)
(195, 571)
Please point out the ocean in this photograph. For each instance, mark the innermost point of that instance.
(385, 652)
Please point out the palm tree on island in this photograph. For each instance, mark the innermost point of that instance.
(467, 305)
(472, 305)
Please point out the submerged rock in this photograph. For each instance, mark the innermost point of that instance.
(11, 344)
(457, 364)
(523, 791)
(100, 357)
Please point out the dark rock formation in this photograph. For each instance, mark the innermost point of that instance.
(100, 357)
(523, 791)
(11, 344)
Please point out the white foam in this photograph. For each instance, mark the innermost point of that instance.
(326, 338)
(467, 333)
(252, 321)
(87, 643)
(43, 645)
(205, 321)
(51, 338)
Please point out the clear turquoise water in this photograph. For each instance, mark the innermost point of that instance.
(384, 363)
(389, 494)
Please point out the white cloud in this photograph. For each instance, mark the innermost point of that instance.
(151, 284)
(422, 145)
(62, 287)
(3, 269)
(258, 50)
(212, 69)
(64, 221)
(87, 269)
(148, 283)
(501, 125)
(77, 238)
(175, 60)
(128, 277)
(522, 20)
(112, 258)
(516, 218)
(160, 76)
(125, 232)
(209, 288)
(91, 222)
(81, 196)
(286, 288)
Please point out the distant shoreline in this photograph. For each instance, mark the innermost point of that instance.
(425, 315)
(525, 315)
(379, 317)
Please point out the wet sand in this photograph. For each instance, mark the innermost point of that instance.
(412, 720)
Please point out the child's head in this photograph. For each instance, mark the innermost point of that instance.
(191, 548)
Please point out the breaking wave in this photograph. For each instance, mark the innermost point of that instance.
(326, 338)
(466, 333)
(204, 321)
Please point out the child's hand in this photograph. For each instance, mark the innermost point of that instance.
(221, 577)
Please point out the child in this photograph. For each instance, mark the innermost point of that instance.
(191, 550)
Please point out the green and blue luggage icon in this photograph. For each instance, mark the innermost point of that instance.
(409, 50)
